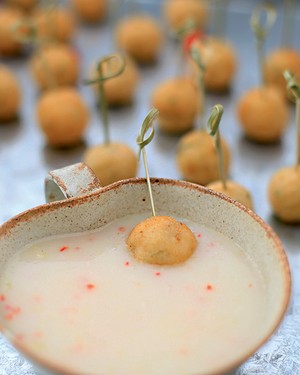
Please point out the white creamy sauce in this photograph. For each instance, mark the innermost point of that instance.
(82, 301)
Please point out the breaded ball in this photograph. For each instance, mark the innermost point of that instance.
(141, 37)
(178, 102)
(161, 240)
(263, 114)
(284, 194)
(111, 162)
(178, 12)
(90, 10)
(197, 158)
(55, 65)
(219, 59)
(10, 94)
(62, 116)
(57, 25)
(275, 64)
(25, 5)
(234, 191)
(120, 90)
(9, 45)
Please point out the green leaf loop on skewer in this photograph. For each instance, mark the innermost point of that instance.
(215, 119)
(196, 56)
(188, 27)
(147, 125)
(262, 29)
(109, 75)
(291, 84)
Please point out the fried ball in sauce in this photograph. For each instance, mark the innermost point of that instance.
(57, 25)
(177, 101)
(120, 90)
(111, 162)
(10, 94)
(90, 11)
(9, 45)
(140, 37)
(234, 191)
(161, 240)
(263, 114)
(197, 158)
(220, 63)
(275, 64)
(178, 12)
(62, 116)
(25, 5)
(284, 194)
(55, 65)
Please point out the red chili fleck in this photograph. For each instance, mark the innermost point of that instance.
(157, 273)
(250, 285)
(199, 235)
(20, 336)
(121, 229)
(16, 310)
(77, 248)
(209, 287)
(38, 334)
(90, 286)
(8, 316)
(63, 248)
(126, 264)
(7, 307)
(2, 298)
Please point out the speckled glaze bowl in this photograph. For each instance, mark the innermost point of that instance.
(92, 206)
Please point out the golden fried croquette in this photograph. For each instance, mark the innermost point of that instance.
(234, 191)
(220, 63)
(263, 114)
(111, 162)
(178, 12)
(197, 157)
(284, 194)
(26, 5)
(161, 240)
(54, 25)
(10, 94)
(140, 37)
(178, 102)
(62, 116)
(275, 64)
(55, 65)
(90, 10)
(9, 43)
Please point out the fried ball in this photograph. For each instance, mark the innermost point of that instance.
(120, 90)
(161, 240)
(177, 101)
(25, 5)
(284, 194)
(62, 116)
(234, 191)
(10, 94)
(57, 25)
(111, 162)
(220, 63)
(263, 114)
(55, 65)
(197, 158)
(178, 12)
(90, 10)
(276, 63)
(9, 45)
(141, 37)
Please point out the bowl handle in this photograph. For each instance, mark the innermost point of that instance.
(71, 181)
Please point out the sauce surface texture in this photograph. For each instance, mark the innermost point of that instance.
(82, 301)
